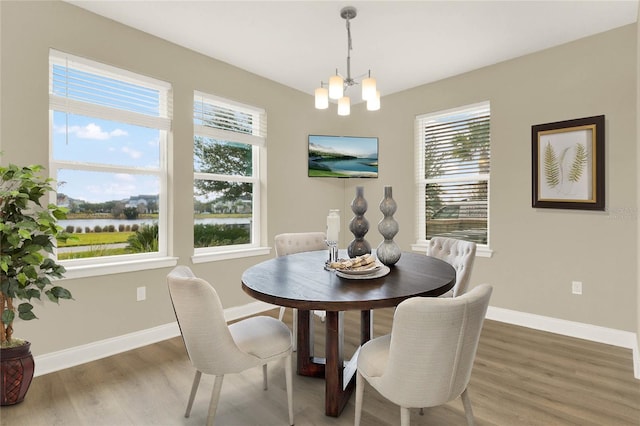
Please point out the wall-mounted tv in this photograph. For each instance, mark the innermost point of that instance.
(343, 156)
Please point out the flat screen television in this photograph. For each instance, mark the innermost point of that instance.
(343, 156)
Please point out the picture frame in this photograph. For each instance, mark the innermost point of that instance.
(568, 164)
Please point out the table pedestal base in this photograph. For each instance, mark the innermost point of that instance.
(339, 376)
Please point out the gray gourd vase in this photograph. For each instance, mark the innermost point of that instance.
(359, 226)
(388, 251)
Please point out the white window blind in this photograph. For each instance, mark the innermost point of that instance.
(453, 172)
(89, 88)
(224, 119)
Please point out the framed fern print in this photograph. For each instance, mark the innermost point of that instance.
(568, 164)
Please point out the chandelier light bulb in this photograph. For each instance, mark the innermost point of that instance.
(368, 88)
(336, 87)
(373, 104)
(344, 106)
(322, 98)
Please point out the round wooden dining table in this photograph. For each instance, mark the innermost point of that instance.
(301, 281)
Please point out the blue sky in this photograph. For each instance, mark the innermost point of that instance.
(93, 140)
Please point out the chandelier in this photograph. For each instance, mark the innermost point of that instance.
(339, 84)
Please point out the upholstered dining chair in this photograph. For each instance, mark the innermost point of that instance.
(428, 357)
(459, 254)
(298, 242)
(217, 348)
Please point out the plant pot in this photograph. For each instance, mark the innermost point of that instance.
(16, 373)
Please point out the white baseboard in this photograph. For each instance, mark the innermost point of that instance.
(609, 336)
(55, 361)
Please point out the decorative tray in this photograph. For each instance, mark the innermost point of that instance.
(377, 272)
(370, 269)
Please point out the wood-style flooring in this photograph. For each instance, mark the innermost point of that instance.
(521, 377)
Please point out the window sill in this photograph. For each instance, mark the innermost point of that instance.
(97, 269)
(481, 250)
(214, 256)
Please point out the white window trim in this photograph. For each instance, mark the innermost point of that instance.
(226, 253)
(117, 267)
(107, 265)
(421, 244)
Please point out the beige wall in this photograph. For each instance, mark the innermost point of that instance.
(538, 252)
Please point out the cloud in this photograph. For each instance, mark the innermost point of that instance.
(93, 131)
(132, 152)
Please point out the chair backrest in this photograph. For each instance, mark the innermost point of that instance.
(205, 332)
(433, 347)
(459, 254)
(297, 242)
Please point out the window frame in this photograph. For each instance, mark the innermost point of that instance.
(104, 265)
(421, 244)
(257, 140)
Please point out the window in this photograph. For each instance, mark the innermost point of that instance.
(228, 137)
(453, 165)
(108, 139)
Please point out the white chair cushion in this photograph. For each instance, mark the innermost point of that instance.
(375, 361)
(263, 337)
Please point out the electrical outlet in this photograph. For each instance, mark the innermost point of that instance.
(576, 287)
(141, 294)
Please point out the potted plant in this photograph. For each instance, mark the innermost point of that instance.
(28, 232)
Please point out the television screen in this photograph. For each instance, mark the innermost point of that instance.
(343, 156)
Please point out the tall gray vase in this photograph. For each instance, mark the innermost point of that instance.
(388, 251)
(359, 226)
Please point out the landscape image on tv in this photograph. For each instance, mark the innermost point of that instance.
(343, 156)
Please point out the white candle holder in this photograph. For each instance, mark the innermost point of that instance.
(333, 251)
(333, 232)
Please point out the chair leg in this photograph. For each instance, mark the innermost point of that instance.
(359, 397)
(281, 315)
(215, 396)
(288, 374)
(194, 389)
(468, 411)
(405, 415)
(264, 377)
(295, 330)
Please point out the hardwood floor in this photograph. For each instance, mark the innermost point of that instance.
(521, 377)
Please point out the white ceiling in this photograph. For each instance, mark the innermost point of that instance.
(404, 43)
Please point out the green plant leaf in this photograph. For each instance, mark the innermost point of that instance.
(25, 307)
(27, 316)
(579, 163)
(51, 296)
(551, 166)
(22, 278)
(32, 258)
(33, 293)
(61, 293)
(14, 240)
(8, 316)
